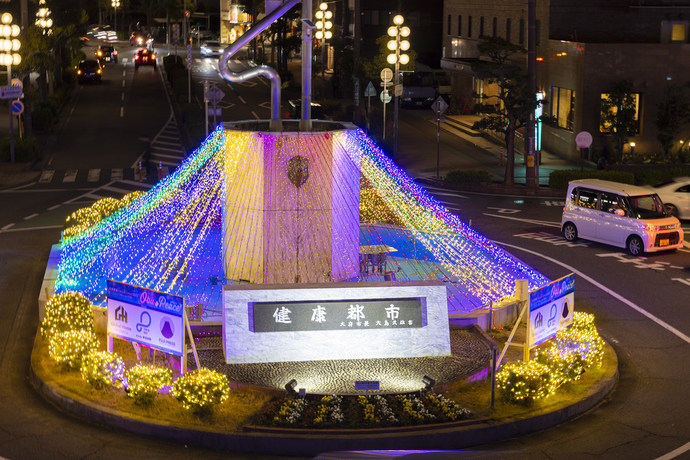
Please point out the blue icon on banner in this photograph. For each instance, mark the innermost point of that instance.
(554, 313)
(142, 324)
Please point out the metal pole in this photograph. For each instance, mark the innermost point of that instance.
(438, 140)
(532, 85)
(493, 376)
(323, 64)
(305, 120)
(385, 86)
(206, 104)
(368, 111)
(395, 94)
(9, 79)
(115, 22)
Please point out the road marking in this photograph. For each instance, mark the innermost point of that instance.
(638, 309)
(549, 238)
(123, 83)
(116, 174)
(637, 261)
(123, 97)
(31, 216)
(174, 157)
(7, 226)
(255, 115)
(27, 229)
(178, 150)
(124, 73)
(54, 207)
(46, 176)
(93, 196)
(505, 210)
(684, 281)
(675, 453)
(554, 203)
(527, 221)
(243, 101)
(94, 175)
(122, 112)
(267, 105)
(70, 175)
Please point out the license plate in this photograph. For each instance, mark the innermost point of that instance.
(107, 59)
(663, 242)
(419, 103)
(146, 59)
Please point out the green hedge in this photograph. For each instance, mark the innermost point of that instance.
(25, 150)
(559, 179)
(467, 177)
(657, 176)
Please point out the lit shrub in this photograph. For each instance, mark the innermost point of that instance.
(525, 382)
(84, 218)
(582, 340)
(68, 348)
(67, 311)
(101, 369)
(201, 389)
(143, 382)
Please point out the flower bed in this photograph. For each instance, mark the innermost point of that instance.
(361, 412)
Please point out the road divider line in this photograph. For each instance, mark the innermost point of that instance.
(54, 207)
(243, 101)
(635, 307)
(255, 115)
(124, 73)
(123, 96)
(675, 453)
(26, 229)
(123, 83)
(31, 216)
(122, 112)
(7, 226)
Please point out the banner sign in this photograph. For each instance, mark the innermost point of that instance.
(145, 316)
(339, 315)
(551, 309)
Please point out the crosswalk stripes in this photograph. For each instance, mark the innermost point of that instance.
(98, 175)
(94, 175)
(70, 175)
(46, 176)
(116, 174)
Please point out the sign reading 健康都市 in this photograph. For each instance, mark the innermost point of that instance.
(336, 315)
(145, 316)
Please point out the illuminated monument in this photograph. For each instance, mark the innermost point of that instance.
(266, 208)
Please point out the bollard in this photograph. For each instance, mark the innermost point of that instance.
(501, 163)
(160, 170)
(140, 178)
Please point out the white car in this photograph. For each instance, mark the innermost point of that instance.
(675, 193)
(212, 49)
(626, 216)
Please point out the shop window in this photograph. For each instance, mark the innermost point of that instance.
(459, 26)
(481, 26)
(449, 19)
(469, 26)
(521, 38)
(508, 30)
(679, 32)
(537, 31)
(563, 107)
(495, 27)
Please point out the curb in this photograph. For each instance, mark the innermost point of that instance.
(272, 441)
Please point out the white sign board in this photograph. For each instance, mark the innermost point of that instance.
(583, 139)
(147, 317)
(551, 309)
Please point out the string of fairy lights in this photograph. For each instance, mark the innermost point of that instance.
(266, 208)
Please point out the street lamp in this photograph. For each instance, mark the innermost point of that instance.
(397, 45)
(323, 33)
(43, 18)
(115, 4)
(9, 44)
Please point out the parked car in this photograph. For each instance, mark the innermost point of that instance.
(295, 110)
(626, 216)
(106, 53)
(144, 57)
(211, 48)
(675, 193)
(89, 70)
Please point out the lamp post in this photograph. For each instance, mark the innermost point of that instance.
(323, 33)
(115, 4)
(397, 45)
(43, 18)
(8, 31)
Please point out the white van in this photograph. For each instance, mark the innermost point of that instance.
(621, 215)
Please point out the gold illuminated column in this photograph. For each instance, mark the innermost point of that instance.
(291, 207)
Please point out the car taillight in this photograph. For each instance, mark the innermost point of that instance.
(78, 72)
(153, 56)
(136, 57)
(287, 114)
(100, 53)
(99, 70)
(115, 53)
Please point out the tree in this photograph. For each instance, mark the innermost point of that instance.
(672, 112)
(508, 109)
(619, 113)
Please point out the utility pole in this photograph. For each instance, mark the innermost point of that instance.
(532, 86)
(26, 81)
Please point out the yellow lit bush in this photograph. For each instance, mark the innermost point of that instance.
(525, 382)
(82, 219)
(143, 382)
(68, 348)
(68, 311)
(372, 208)
(101, 369)
(201, 389)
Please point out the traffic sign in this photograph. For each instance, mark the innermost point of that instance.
(214, 94)
(398, 90)
(189, 57)
(10, 92)
(370, 90)
(386, 74)
(385, 96)
(583, 139)
(17, 82)
(17, 107)
(439, 106)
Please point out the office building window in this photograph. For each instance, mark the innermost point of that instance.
(521, 33)
(449, 24)
(563, 107)
(459, 26)
(495, 27)
(508, 30)
(469, 26)
(604, 128)
(481, 26)
(370, 17)
(537, 31)
(678, 32)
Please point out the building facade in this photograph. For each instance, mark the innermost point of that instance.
(583, 46)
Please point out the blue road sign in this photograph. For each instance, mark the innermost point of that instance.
(17, 107)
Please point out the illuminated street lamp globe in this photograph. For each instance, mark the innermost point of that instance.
(43, 18)
(8, 43)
